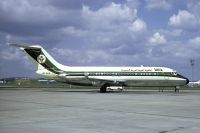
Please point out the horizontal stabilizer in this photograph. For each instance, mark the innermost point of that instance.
(25, 46)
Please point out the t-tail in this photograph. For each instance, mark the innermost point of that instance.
(41, 58)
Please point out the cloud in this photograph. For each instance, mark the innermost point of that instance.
(184, 20)
(195, 42)
(109, 16)
(134, 4)
(138, 25)
(182, 51)
(157, 38)
(100, 32)
(158, 4)
(10, 54)
(176, 32)
(28, 18)
(75, 57)
(194, 7)
(127, 49)
(66, 4)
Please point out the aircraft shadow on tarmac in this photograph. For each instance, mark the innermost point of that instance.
(120, 92)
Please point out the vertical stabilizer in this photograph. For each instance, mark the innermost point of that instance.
(41, 58)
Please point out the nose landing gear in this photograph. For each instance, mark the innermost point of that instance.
(177, 88)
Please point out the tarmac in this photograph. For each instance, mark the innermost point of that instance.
(88, 111)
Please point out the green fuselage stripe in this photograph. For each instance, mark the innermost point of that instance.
(120, 74)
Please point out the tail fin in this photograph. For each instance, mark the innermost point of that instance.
(41, 57)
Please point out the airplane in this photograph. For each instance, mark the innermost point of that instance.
(103, 77)
(194, 84)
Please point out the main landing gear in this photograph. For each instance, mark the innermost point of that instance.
(103, 88)
(176, 89)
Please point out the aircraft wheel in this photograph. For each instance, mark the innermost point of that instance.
(177, 88)
(103, 88)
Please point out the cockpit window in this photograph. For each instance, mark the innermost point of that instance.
(174, 73)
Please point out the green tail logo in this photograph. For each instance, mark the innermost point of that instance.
(41, 59)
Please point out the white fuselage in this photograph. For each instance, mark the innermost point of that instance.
(126, 76)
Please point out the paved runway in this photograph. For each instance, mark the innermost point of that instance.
(48, 111)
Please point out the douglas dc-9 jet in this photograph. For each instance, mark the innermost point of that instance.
(104, 77)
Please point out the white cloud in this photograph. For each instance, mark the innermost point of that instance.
(183, 50)
(28, 11)
(176, 32)
(112, 12)
(28, 17)
(194, 7)
(109, 16)
(71, 31)
(195, 42)
(133, 3)
(62, 52)
(10, 54)
(194, 46)
(158, 4)
(184, 20)
(85, 57)
(138, 25)
(157, 38)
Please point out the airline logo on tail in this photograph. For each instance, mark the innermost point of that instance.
(41, 59)
(38, 54)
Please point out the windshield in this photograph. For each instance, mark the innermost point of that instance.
(174, 73)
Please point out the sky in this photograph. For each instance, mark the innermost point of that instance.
(164, 33)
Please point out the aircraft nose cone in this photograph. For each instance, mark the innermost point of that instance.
(187, 80)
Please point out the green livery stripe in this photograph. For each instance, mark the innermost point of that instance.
(120, 74)
(34, 53)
